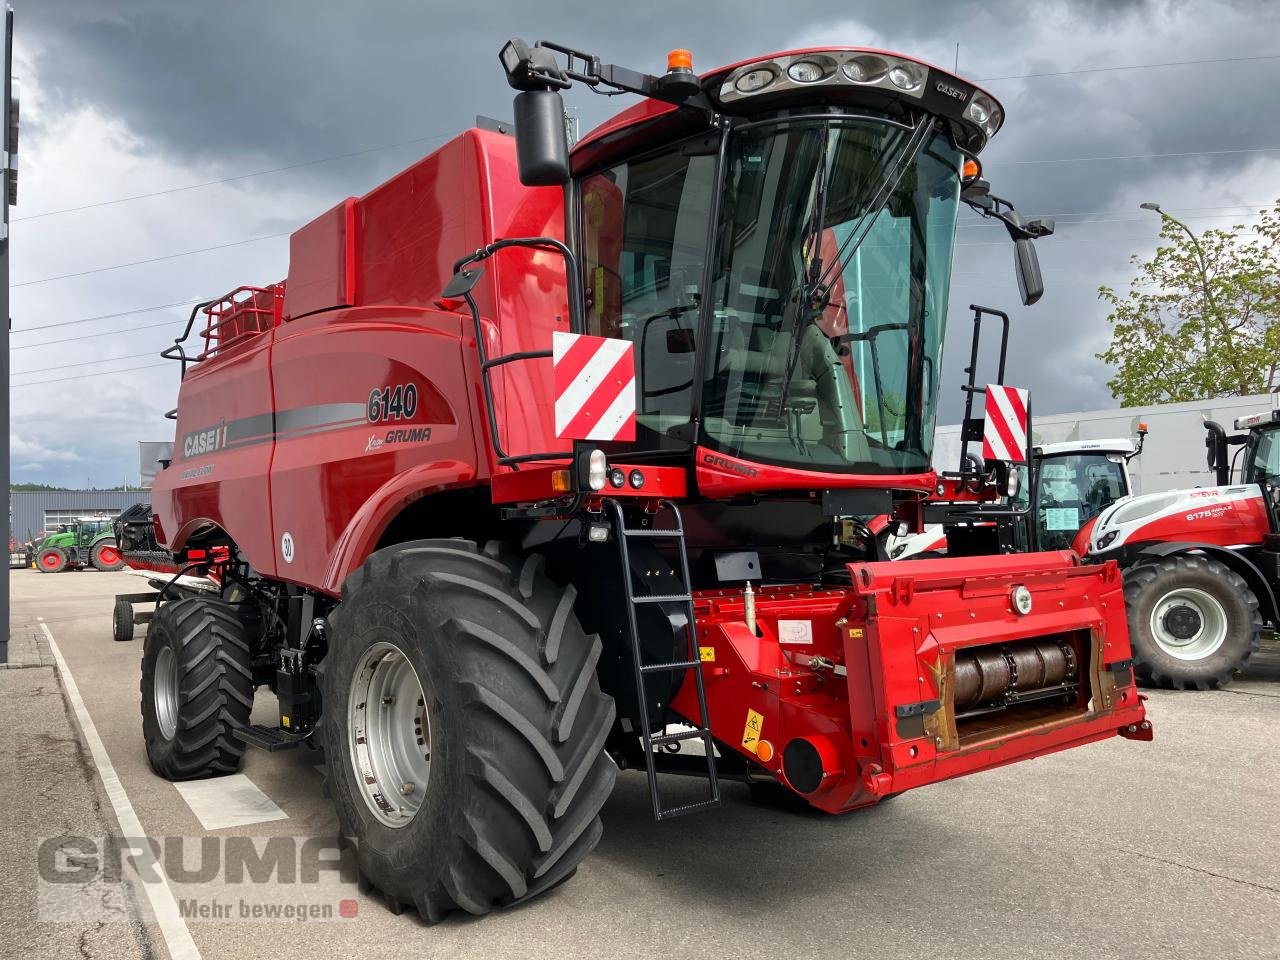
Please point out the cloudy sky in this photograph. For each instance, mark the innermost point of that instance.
(124, 99)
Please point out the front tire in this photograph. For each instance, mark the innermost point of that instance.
(197, 689)
(51, 560)
(1193, 622)
(476, 659)
(106, 556)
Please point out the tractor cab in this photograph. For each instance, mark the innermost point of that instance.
(1256, 461)
(1069, 484)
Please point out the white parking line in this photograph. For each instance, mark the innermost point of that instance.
(172, 927)
(232, 801)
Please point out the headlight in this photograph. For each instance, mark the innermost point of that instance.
(1106, 540)
(866, 69)
(906, 76)
(755, 80)
(805, 71)
(597, 469)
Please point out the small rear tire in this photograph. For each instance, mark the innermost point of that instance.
(1193, 622)
(122, 621)
(106, 556)
(51, 560)
(197, 689)
(464, 727)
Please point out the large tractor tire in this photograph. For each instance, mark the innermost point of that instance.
(106, 556)
(51, 560)
(197, 689)
(464, 727)
(1193, 622)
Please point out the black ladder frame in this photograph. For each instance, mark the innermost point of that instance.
(692, 662)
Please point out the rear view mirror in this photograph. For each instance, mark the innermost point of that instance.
(679, 341)
(542, 143)
(1027, 265)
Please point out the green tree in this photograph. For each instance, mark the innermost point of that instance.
(1202, 316)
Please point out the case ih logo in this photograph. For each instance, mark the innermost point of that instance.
(724, 463)
(205, 441)
(955, 93)
(595, 384)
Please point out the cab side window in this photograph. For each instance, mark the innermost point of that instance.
(644, 228)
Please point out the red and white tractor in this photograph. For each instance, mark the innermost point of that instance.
(1066, 486)
(1200, 566)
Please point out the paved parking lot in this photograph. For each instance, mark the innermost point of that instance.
(1159, 850)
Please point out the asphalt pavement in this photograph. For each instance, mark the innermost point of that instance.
(1120, 848)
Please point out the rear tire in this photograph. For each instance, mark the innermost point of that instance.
(51, 560)
(197, 689)
(122, 621)
(509, 713)
(106, 556)
(1193, 622)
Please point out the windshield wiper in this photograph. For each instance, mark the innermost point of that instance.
(811, 294)
(894, 172)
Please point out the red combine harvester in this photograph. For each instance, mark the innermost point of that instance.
(545, 463)
(1201, 566)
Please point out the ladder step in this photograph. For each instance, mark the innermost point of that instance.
(670, 812)
(664, 598)
(674, 665)
(694, 734)
(642, 532)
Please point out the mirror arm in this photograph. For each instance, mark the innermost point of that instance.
(991, 207)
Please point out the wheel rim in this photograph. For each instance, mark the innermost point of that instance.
(50, 561)
(390, 734)
(1189, 624)
(166, 692)
(109, 555)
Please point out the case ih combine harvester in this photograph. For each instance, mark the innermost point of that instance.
(496, 517)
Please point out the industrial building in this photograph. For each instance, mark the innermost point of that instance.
(34, 510)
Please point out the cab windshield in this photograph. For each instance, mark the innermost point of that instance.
(828, 276)
(831, 299)
(1074, 489)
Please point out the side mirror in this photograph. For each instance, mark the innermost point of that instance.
(1026, 264)
(542, 143)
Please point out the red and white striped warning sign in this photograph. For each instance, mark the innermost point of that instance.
(1004, 433)
(595, 384)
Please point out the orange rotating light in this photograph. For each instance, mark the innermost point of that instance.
(679, 59)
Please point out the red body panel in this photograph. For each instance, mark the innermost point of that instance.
(1226, 523)
(361, 315)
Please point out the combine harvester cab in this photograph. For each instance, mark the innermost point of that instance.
(543, 463)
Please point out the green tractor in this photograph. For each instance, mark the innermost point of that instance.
(87, 541)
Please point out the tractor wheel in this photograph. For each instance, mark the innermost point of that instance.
(464, 727)
(197, 689)
(106, 556)
(122, 621)
(51, 560)
(1193, 622)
